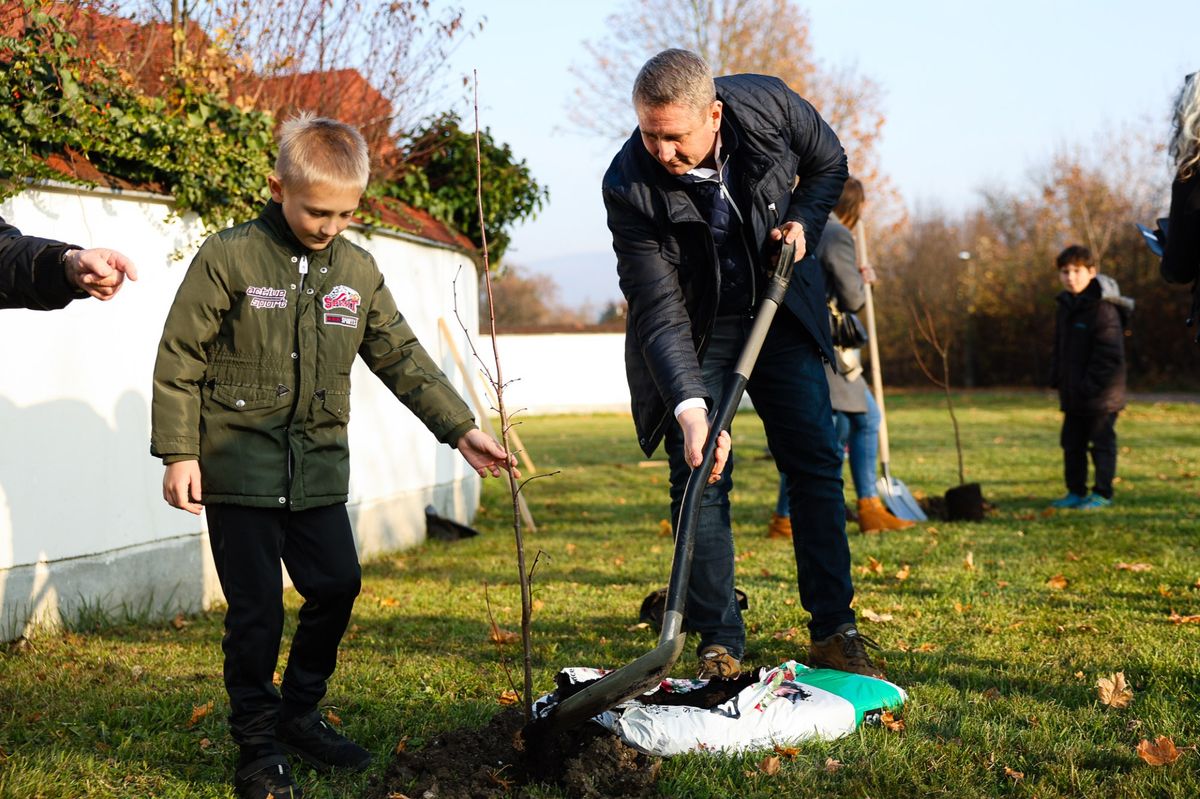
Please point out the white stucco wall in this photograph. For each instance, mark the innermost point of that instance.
(565, 372)
(82, 520)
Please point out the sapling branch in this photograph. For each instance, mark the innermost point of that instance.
(927, 328)
(498, 386)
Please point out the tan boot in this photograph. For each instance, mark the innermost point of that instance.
(780, 527)
(873, 517)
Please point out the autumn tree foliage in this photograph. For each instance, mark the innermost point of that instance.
(763, 36)
(998, 302)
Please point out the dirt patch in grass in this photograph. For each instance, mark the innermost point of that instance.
(587, 763)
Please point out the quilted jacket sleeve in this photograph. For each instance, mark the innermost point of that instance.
(31, 272)
(192, 324)
(657, 311)
(391, 350)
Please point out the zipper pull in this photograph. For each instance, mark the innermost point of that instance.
(304, 264)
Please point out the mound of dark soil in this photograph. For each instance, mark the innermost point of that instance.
(588, 763)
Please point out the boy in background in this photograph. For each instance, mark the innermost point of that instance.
(1088, 369)
(251, 402)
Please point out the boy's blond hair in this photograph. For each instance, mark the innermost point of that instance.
(315, 150)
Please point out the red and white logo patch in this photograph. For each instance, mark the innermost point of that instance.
(341, 319)
(342, 297)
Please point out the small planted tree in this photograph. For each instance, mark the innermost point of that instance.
(964, 501)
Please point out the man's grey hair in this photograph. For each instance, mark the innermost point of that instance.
(675, 77)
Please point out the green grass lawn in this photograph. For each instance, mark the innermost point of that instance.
(999, 657)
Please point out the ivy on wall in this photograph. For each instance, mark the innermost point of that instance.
(208, 153)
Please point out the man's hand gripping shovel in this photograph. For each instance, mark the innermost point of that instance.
(650, 669)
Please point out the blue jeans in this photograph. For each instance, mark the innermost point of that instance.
(859, 432)
(791, 395)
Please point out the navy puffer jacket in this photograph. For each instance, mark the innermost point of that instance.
(788, 165)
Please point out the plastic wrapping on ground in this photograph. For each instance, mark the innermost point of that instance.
(788, 704)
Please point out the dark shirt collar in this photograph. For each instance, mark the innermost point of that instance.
(272, 216)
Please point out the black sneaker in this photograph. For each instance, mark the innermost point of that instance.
(312, 739)
(268, 777)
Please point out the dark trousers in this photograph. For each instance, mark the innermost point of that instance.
(1078, 431)
(791, 394)
(317, 546)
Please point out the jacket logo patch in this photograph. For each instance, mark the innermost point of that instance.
(341, 319)
(266, 297)
(342, 297)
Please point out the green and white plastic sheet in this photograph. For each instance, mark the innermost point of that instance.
(788, 704)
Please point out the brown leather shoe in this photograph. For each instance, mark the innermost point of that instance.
(845, 650)
(780, 527)
(873, 517)
(717, 664)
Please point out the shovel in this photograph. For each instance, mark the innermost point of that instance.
(650, 669)
(896, 496)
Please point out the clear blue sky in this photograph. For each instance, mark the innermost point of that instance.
(976, 93)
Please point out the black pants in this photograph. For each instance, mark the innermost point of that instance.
(248, 544)
(1078, 431)
(791, 395)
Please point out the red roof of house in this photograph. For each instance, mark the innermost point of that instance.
(341, 94)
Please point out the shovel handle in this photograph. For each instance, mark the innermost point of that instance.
(719, 419)
(885, 455)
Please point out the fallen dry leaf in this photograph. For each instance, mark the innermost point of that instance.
(905, 570)
(769, 765)
(873, 566)
(1057, 582)
(1071, 556)
(1164, 591)
(992, 694)
(570, 548)
(1047, 512)
(333, 718)
(1079, 675)
(199, 712)
(969, 562)
(926, 647)
(1002, 583)
(664, 528)
(497, 777)
(1177, 619)
(537, 605)
(1159, 753)
(641, 625)
(787, 751)
(832, 765)
(389, 602)
(1133, 567)
(786, 635)
(205, 743)
(509, 697)
(1113, 691)
(878, 618)
(789, 601)
(179, 622)
(892, 723)
(400, 746)
(499, 636)
(960, 608)
(1015, 776)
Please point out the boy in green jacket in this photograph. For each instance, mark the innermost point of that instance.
(251, 401)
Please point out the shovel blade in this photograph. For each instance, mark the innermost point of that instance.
(617, 686)
(899, 500)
